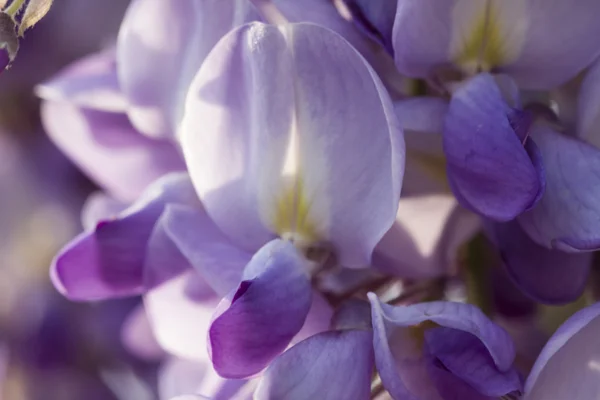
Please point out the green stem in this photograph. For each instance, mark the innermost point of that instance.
(14, 8)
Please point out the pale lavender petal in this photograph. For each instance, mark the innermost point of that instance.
(218, 262)
(256, 321)
(569, 364)
(109, 260)
(329, 366)
(489, 169)
(467, 358)
(424, 240)
(178, 377)
(568, 215)
(560, 41)
(279, 109)
(161, 46)
(138, 338)
(91, 83)
(318, 318)
(108, 149)
(180, 312)
(549, 276)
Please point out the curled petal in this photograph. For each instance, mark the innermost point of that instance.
(567, 367)
(489, 169)
(548, 275)
(259, 318)
(399, 356)
(282, 145)
(568, 215)
(109, 260)
(330, 366)
(161, 45)
(465, 356)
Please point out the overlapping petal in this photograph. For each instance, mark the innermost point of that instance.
(257, 320)
(375, 18)
(568, 215)
(108, 149)
(283, 137)
(489, 169)
(399, 356)
(548, 275)
(465, 356)
(109, 260)
(567, 367)
(330, 366)
(160, 48)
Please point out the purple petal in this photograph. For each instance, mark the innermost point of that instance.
(218, 262)
(161, 47)
(109, 260)
(90, 83)
(279, 109)
(467, 358)
(258, 319)
(588, 106)
(329, 366)
(421, 36)
(567, 367)
(398, 355)
(375, 18)
(107, 148)
(424, 240)
(559, 42)
(549, 276)
(489, 169)
(318, 319)
(568, 215)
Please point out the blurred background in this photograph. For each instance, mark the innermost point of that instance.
(51, 348)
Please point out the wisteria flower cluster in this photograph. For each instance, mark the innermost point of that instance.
(302, 191)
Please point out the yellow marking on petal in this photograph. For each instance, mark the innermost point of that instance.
(292, 218)
(484, 48)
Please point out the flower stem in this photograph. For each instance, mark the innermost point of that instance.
(14, 8)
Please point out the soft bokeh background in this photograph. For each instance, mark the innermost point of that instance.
(51, 348)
